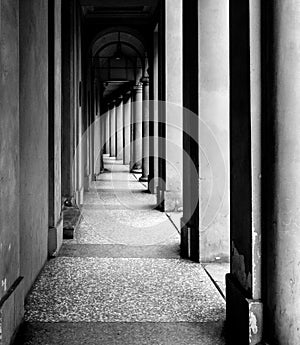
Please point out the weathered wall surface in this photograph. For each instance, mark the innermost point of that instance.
(33, 137)
(9, 144)
(214, 129)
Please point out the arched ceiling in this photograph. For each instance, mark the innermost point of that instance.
(129, 42)
(116, 74)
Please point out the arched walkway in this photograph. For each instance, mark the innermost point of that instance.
(121, 279)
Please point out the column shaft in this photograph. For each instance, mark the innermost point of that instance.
(137, 127)
(153, 133)
(107, 131)
(102, 142)
(283, 235)
(145, 130)
(127, 130)
(243, 284)
(131, 132)
(190, 220)
(113, 131)
(119, 128)
(97, 132)
(169, 196)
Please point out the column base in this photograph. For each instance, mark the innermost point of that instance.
(136, 171)
(173, 201)
(136, 167)
(244, 316)
(79, 196)
(152, 184)
(184, 239)
(87, 181)
(160, 199)
(143, 179)
(55, 238)
(189, 241)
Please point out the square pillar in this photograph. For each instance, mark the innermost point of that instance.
(244, 307)
(127, 128)
(119, 128)
(136, 164)
(112, 138)
(153, 130)
(170, 114)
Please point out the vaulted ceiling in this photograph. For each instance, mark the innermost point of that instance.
(118, 14)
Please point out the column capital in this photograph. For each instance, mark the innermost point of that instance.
(138, 87)
(145, 80)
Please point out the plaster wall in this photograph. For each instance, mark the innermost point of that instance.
(9, 145)
(214, 129)
(33, 137)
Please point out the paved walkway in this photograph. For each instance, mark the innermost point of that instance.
(121, 279)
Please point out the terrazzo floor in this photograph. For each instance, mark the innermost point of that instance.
(121, 279)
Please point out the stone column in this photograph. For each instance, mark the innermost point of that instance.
(97, 133)
(107, 131)
(103, 140)
(131, 133)
(282, 306)
(190, 220)
(153, 132)
(127, 129)
(243, 285)
(119, 128)
(169, 196)
(137, 128)
(68, 109)
(113, 130)
(103, 124)
(145, 130)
